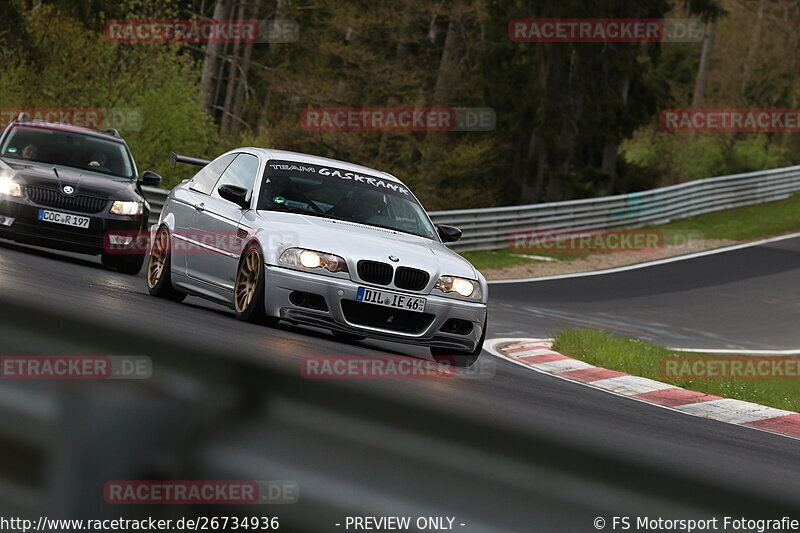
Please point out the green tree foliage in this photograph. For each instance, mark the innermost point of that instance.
(149, 91)
(573, 119)
(754, 66)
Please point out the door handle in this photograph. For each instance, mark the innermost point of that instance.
(200, 207)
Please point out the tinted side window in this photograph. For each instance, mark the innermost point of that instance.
(204, 180)
(242, 173)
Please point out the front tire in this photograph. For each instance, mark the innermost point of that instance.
(459, 358)
(248, 293)
(159, 269)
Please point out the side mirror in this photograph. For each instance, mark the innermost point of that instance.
(150, 178)
(448, 233)
(237, 195)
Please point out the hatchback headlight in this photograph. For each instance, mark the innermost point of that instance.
(311, 259)
(9, 187)
(463, 287)
(129, 209)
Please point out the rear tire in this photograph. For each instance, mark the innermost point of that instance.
(458, 358)
(159, 269)
(248, 293)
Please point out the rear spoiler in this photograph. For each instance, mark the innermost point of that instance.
(189, 160)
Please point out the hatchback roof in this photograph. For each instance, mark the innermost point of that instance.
(110, 133)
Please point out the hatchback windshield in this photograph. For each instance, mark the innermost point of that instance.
(343, 195)
(68, 148)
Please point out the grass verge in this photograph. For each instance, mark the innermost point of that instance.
(505, 258)
(744, 223)
(739, 224)
(644, 359)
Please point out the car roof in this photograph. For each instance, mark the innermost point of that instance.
(323, 161)
(110, 134)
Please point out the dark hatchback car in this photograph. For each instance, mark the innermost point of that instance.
(73, 188)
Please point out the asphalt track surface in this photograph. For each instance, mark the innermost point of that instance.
(741, 299)
(745, 298)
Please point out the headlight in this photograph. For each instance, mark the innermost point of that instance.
(300, 257)
(9, 187)
(127, 208)
(463, 287)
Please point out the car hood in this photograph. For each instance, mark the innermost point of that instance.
(355, 242)
(84, 182)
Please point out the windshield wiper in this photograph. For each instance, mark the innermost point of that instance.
(399, 230)
(300, 211)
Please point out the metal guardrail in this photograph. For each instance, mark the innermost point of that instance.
(156, 198)
(494, 228)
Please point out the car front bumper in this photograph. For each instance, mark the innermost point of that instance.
(340, 293)
(19, 221)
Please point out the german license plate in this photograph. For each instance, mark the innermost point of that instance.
(391, 299)
(63, 218)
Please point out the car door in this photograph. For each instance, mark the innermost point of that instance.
(185, 205)
(218, 223)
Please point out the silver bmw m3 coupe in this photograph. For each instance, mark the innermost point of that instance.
(279, 235)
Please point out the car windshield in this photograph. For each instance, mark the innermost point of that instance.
(343, 195)
(68, 148)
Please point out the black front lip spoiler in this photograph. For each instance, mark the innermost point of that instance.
(320, 320)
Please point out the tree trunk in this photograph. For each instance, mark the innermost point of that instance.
(218, 85)
(609, 163)
(568, 136)
(240, 94)
(755, 42)
(531, 164)
(610, 155)
(263, 119)
(234, 64)
(452, 54)
(447, 78)
(705, 65)
(534, 161)
(211, 62)
(403, 46)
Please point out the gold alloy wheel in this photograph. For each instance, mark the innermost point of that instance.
(158, 258)
(247, 280)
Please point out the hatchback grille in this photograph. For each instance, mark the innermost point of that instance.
(53, 198)
(377, 316)
(375, 272)
(411, 279)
